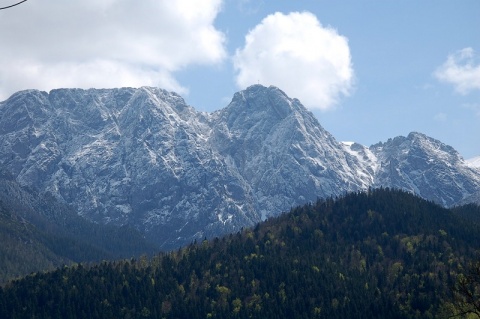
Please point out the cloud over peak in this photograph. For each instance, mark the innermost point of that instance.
(462, 70)
(296, 53)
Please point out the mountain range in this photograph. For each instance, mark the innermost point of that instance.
(144, 158)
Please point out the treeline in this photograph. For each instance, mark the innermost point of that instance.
(378, 254)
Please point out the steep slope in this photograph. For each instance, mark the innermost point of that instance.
(144, 158)
(23, 250)
(426, 167)
(281, 151)
(123, 156)
(38, 233)
(376, 254)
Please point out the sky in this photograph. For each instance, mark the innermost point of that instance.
(369, 70)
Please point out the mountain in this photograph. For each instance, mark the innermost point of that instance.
(144, 158)
(118, 156)
(427, 167)
(376, 254)
(421, 165)
(278, 148)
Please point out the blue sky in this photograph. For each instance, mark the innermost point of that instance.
(369, 70)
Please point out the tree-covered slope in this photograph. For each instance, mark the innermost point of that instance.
(21, 248)
(379, 254)
(39, 233)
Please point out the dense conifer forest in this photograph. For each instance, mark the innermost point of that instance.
(376, 254)
(38, 233)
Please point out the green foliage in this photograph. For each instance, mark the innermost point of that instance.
(379, 254)
(467, 293)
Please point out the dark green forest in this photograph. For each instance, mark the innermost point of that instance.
(376, 254)
(38, 233)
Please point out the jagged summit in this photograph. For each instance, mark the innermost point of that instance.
(421, 164)
(265, 99)
(144, 157)
(280, 150)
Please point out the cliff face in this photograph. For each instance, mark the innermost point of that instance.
(143, 157)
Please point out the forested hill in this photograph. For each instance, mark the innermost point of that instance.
(379, 254)
(39, 233)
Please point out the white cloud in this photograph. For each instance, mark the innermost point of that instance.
(462, 70)
(110, 43)
(299, 55)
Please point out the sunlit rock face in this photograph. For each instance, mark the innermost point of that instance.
(144, 157)
(426, 167)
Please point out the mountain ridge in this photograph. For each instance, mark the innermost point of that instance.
(143, 157)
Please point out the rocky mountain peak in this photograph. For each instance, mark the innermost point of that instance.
(256, 107)
(433, 146)
(420, 164)
(144, 157)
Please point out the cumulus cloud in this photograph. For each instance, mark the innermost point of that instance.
(299, 55)
(110, 43)
(461, 69)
